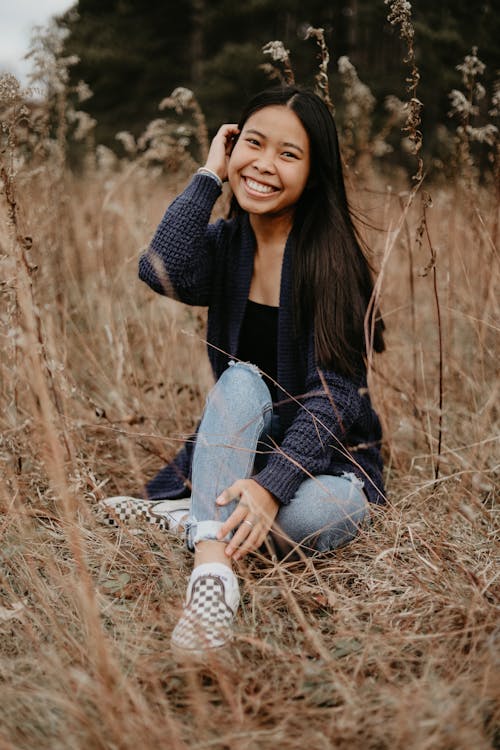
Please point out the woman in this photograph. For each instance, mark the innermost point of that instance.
(288, 448)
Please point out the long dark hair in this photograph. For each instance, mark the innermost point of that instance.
(332, 280)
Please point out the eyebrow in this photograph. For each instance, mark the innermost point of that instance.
(284, 143)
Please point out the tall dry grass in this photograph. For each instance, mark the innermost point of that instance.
(391, 642)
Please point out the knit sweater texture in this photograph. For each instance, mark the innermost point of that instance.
(328, 422)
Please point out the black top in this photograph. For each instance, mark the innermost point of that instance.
(258, 342)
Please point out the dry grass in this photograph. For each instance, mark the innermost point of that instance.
(391, 642)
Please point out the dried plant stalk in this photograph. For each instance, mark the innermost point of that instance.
(324, 58)
(279, 54)
(400, 14)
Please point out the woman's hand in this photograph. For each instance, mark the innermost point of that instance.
(252, 517)
(220, 150)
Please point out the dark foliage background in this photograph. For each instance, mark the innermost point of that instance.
(132, 55)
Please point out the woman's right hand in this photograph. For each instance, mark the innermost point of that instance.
(220, 149)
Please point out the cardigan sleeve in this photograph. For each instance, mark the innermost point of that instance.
(179, 262)
(332, 405)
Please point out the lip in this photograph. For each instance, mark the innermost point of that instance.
(257, 193)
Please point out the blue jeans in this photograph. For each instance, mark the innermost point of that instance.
(326, 511)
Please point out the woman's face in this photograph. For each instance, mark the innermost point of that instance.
(270, 163)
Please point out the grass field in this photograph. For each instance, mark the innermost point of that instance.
(392, 642)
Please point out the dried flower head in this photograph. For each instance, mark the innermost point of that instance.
(324, 58)
(461, 105)
(400, 13)
(10, 89)
(359, 104)
(279, 54)
(479, 91)
(180, 99)
(156, 143)
(380, 148)
(345, 66)
(277, 51)
(465, 106)
(495, 100)
(50, 67)
(486, 134)
(107, 160)
(358, 97)
(84, 124)
(395, 107)
(83, 91)
(128, 142)
(471, 67)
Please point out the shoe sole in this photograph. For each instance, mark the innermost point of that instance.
(126, 513)
(199, 656)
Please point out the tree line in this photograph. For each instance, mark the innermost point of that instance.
(132, 55)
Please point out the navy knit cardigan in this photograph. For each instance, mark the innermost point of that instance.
(328, 423)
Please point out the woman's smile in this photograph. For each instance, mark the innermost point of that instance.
(254, 186)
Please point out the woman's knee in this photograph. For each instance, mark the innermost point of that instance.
(327, 512)
(242, 382)
(342, 530)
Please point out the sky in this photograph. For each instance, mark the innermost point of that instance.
(17, 18)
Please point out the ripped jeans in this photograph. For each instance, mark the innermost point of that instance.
(326, 511)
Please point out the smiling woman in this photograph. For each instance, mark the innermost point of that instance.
(288, 450)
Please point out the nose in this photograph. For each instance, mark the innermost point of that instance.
(264, 163)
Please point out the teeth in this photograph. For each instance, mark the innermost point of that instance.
(259, 187)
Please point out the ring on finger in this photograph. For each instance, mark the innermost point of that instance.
(248, 523)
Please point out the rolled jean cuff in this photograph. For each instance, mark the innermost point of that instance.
(204, 531)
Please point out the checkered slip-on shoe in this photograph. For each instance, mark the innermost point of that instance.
(134, 512)
(207, 619)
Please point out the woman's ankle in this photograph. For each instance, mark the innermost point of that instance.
(211, 551)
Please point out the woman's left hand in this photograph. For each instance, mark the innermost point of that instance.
(252, 518)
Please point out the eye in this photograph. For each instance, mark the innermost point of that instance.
(252, 141)
(289, 155)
